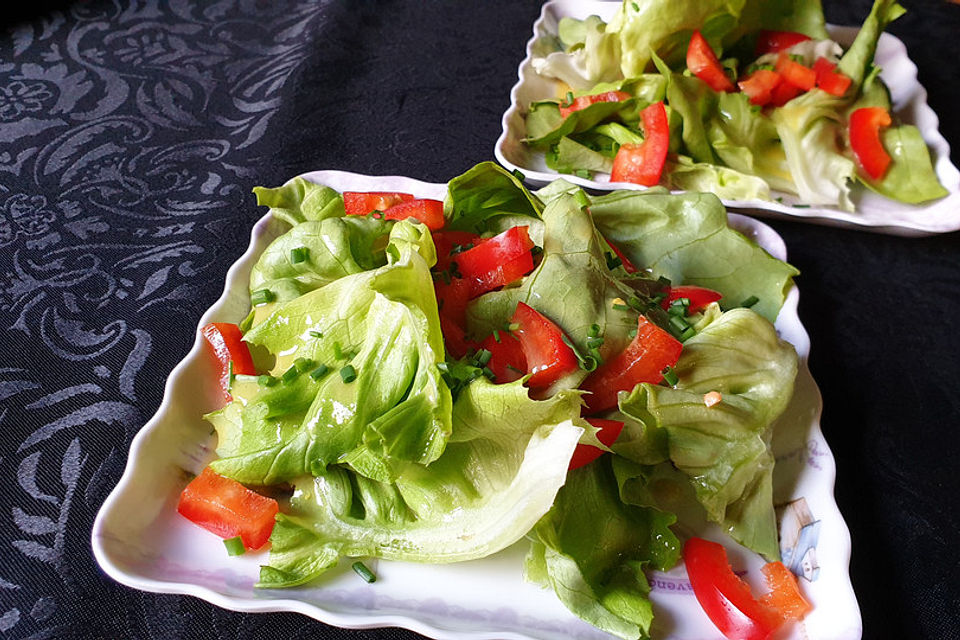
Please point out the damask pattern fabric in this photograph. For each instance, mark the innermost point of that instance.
(131, 133)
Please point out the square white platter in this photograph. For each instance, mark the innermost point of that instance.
(873, 212)
(141, 541)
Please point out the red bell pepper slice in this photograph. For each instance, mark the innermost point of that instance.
(759, 86)
(429, 212)
(548, 357)
(699, 297)
(776, 41)
(703, 63)
(608, 434)
(585, 101)
(227, 345)
(728, 601)
(643, 163)
(446, 241)
(784, 596)
(360, 203)
(644, 360)
(454, 337)
(725, 598)
(830, 80)
(795, 73)
(865, 125)
(507, 360)
(227, 508)
(498, 261)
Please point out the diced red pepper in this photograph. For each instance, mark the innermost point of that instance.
(608, 434)
(507, 360)
(644, 359)
(784, 596)
(783, 93)
(699, 297)
(548, 357)
(585, 101)
(703, 63)
(643, 163)
(776, 41)
(454, 337)
(795, 73)
(227, 345)
(446, 241)
(725, 598)
(429, 212)
(452, 298)
(759, 86)
(227, 508)
(498, 261)
(360, 203)
(830, 80)
(865, 125)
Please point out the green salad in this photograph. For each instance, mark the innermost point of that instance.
(390, 417)
(755, 102)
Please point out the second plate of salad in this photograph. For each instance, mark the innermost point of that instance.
(766, 106)
(410, 417)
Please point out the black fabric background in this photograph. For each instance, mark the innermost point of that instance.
(106, 268)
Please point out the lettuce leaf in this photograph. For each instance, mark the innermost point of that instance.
(300, 200)
(723, 449)
(592, 548)
(382, 322)
(686, 239)
(500, 473)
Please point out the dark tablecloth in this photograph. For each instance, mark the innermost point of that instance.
(131, 133)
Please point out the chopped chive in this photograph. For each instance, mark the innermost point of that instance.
(488, 373)
(594, 330)
(632, 333)
(348, 373)
(234, 546)
(779, 199)
(262, 296)
(319, 372)
(266, 380)
(670, 376)
(483, 357)
(800, 206)
(594, 342)
(445, 274)
(513, 368)
(582, 173)
(678, 323)
(496, 335)
(316, 334)
(290, 374)
(749, 302)
(569, 98)
(621, 307)
(230, 375)
(337, 351)
(513, 326)
(361, 570)
(299, 254)
(686, 334)
(303, 364)
(582, 199)
(518, 175)
(636, 7)
(613, 261)
(536, 250)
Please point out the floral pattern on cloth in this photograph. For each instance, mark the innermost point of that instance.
(143, 118)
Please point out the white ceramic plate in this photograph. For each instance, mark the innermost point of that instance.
(141, 541)
(874, 212)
